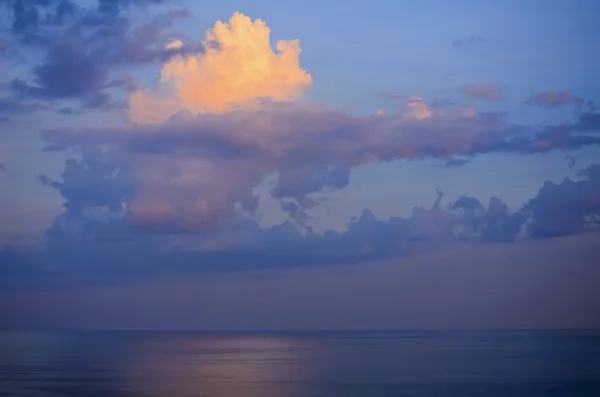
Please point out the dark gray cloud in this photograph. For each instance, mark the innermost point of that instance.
(467, 205)
(78, 62)
(119, 41)
(588, 122)
(92, 182)
(11, 107)
(570, 207)
(28, 17)
(500, 224)
(300, 181)
(83, 46)
(555, 99)
(67, 72)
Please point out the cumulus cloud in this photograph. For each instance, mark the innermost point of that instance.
(416, 108)
(237, 67)
(555, 99)
(571, 207)
(484, 91)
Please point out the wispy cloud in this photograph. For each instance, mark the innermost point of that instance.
(555, 99)
(490, 92)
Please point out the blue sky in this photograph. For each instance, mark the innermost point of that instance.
(474, 68)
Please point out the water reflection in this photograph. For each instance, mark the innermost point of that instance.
(222, 366)
(280, 365)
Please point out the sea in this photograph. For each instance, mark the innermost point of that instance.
(279, 364)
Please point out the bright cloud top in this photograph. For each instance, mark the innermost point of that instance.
(237, 67)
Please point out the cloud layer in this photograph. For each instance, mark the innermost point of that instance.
(191, 172)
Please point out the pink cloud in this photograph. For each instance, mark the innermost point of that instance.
(484, 91)
(554, 99)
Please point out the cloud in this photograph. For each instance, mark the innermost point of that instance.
(238, 67)
(501, 225)
(484, 91)
(80, 51)
(93, 241)
(126, 43)
(163, 215)
(192, 171)
(555, 99)
(571, 207)
(10, 107)
(114, 7)
(32, 20)
(66, 72)
(27, 17)
(179, 184)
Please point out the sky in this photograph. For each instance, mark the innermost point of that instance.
(174, 164)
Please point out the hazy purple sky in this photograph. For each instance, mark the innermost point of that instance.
(300, 164)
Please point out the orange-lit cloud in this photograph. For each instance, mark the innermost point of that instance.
(237, 68)
(416, 108)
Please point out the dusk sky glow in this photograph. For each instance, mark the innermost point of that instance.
(175, 164)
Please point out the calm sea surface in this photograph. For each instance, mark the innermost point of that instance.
(106, 364)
